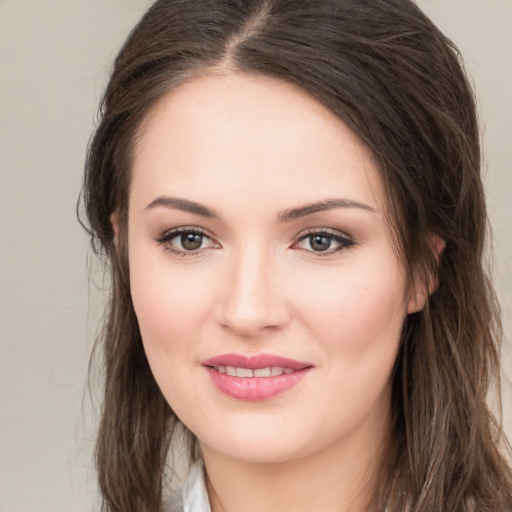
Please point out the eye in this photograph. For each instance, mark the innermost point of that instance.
(186, 241)
(324, 241)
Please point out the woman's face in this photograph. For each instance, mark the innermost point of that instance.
(269, 298)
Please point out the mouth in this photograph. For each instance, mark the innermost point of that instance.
(255, 378)
(271, 371)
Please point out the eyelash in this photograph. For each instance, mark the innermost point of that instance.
(168, 236)
(344, 241)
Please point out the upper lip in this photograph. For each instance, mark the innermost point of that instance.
(256, 362)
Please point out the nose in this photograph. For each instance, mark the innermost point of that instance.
(253, 301)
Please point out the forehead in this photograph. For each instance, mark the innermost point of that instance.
(252, 137)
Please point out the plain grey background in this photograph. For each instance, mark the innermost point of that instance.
(54, 56)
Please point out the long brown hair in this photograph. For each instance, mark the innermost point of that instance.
(399, 84)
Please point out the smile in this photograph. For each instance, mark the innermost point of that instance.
(255, 378)
(273, 371)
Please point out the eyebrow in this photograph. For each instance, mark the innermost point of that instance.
(284, 216)
(320, 206)
(184, 205)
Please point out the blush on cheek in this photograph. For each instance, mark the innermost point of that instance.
(155, 296)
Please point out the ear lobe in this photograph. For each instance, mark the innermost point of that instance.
(416, 302)
(422, 289)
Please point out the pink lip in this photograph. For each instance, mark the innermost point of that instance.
(255, 388)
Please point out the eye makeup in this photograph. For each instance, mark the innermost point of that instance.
(321, 241)
(192, 240)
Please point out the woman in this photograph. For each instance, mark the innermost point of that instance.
(289, 195)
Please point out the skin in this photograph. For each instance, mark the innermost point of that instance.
(249, 148)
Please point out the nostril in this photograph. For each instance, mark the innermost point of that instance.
(254, 322)
(252, 302)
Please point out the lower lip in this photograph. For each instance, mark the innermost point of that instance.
(255, 388)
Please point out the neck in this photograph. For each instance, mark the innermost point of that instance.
(339, 478)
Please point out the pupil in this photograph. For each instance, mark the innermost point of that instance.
(320, 243)
(191, 241)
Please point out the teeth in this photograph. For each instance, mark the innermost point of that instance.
(244, 372)
(274, 371)
(263, 372)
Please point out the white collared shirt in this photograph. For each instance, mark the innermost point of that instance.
(192, 496)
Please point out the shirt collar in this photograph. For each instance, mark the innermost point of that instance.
(192, 496)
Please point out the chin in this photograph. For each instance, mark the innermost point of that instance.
(265, 440)
(258, 450)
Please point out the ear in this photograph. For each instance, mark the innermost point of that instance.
(422, 289)
(114, 221)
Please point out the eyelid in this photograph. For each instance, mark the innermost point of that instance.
(169, 234)
(343, 239)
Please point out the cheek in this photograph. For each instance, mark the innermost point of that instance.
(356, 322)
(356, 317)
(171, 309)
(354, 300)
(171, 302)
(162, 307)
